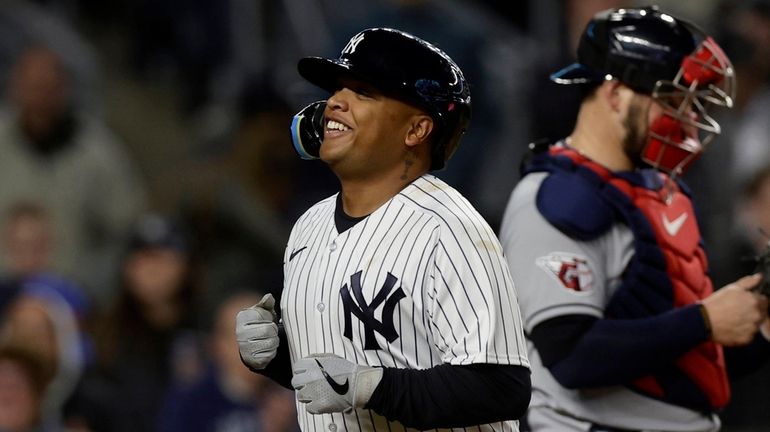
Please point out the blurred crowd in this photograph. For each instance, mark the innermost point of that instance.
(147, 183)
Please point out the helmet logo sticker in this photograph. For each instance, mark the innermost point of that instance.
(350, 48)
(569, 269)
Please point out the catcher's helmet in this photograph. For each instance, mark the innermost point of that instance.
(405, 67)
(668, 58)
(638, 46)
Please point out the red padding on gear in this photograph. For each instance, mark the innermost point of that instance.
(670, 153)
(705, 65)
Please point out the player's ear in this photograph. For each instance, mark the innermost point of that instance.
(616, 94)
(420, 127)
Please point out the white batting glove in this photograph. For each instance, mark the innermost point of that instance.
(328, 383)
(257, 333)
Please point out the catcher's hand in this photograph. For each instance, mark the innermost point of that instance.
(257, 333)
(329, 383)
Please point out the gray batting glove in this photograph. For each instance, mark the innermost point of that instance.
(257, 333)
(328, 383)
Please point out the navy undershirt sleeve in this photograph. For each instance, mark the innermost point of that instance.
(582, 351)
(451, 396)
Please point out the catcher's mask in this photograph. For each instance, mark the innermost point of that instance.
(705, 78)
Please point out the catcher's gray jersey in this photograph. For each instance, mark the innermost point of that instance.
(420, 282)
(557, 275)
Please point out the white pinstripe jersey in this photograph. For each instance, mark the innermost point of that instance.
(420, 282)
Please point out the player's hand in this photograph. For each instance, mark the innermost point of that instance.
(328, 383)
(257, 333)
(736, 312)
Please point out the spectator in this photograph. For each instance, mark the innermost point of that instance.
(28, 240)
(23, 380)
(229, 398)
(45, 319)
(146, 341)
(72, 165)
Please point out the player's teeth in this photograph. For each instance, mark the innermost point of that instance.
(331, 124)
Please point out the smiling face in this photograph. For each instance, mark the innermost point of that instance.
(367, 133)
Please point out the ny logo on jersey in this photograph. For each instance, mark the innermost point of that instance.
(365, 311)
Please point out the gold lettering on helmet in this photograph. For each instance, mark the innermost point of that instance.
(352, 44)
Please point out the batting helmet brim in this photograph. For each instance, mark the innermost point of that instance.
(327, 73)
(324, 73)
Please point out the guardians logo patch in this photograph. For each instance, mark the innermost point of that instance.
(571, 270)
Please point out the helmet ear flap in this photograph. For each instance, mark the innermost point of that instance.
(449, 130)
(307, 130)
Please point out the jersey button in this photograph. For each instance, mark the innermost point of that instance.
(332, 427)
(320, 307)
(333, 246)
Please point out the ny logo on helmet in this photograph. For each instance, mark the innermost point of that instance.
(353, 44)
(365, 311)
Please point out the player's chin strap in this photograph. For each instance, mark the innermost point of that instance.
(307, 130)
(678, 137)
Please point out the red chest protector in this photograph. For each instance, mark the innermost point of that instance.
(668, 245)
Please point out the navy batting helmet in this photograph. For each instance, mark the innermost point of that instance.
(399, 65)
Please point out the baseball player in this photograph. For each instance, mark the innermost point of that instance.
(624, 331)
(398, 310)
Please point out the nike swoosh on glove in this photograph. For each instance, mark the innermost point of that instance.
(328, 383)
(257, 333)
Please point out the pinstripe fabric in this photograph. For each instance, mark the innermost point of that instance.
(458, 306)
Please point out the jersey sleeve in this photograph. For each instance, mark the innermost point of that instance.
(555, 275)
(474, 311)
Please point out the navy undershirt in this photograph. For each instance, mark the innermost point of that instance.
(342, 221)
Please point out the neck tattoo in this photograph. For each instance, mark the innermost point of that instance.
(407, 164)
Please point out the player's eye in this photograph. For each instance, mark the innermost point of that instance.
(364, 92)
